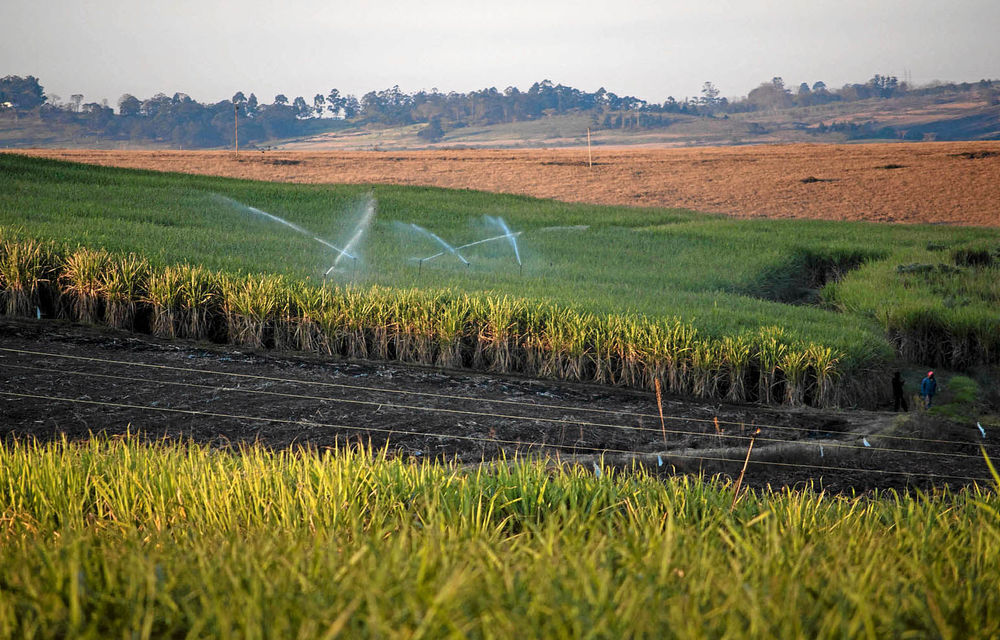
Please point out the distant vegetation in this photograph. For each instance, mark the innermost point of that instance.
(178, 120)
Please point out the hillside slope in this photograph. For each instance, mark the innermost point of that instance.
(918, 118)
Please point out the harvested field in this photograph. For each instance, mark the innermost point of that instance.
(941, 183)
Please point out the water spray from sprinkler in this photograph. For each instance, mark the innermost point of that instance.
(279, 220)
(507, 234)
(359, 231)
(510, 236)
(448, 248)
(465, 246)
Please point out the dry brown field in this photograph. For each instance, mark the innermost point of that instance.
(947, 182)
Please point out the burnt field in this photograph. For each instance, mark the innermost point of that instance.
(59, 378)
(935, 182)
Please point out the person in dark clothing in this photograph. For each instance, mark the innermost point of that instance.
(898, 399)
(928, 386)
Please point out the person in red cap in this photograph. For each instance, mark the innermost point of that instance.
(927, 388)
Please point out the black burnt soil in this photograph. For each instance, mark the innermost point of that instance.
(59, 379)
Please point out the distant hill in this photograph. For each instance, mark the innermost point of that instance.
(941, 118)
(546, 115)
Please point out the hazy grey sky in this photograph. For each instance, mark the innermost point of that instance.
(210, 49)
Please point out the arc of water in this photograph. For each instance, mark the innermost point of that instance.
(575, 227)
(510, 236)
(358, 232)
(340, 252)
(470, 244)
(436, 255)
(448, 248)
(291, 225)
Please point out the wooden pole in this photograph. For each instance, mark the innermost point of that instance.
(739, 481)
(236, 125)
(659, 405)
(590, 157)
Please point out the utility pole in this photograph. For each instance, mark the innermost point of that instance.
(236, 126)
(590, 157)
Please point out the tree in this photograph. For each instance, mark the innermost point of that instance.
(318, 103)
(153, 106)
(433, 131)
(76, 99)
(804, 96)
(24, 93)
(129, 105)
(371, 105)
(302, 110)
(334, 103)
(252, 106)
(280, 99)
(710, 95)
(770, 95)
(351, 106)
(96, 116)
(884, 86)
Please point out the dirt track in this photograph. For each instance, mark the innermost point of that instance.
(949, 182)
(57, 378)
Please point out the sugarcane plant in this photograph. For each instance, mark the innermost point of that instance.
(442, 328)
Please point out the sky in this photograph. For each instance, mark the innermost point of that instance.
(650, 49)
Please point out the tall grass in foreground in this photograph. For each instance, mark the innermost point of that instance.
(114, 538)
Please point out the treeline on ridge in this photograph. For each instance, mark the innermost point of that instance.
(182, 121)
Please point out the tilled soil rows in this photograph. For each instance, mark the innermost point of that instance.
(61, 379)
(941, 183)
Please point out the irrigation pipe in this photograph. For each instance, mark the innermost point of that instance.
(485, 414)
(309, 423)
(533, 405)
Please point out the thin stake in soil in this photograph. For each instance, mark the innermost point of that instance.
(739, 481)
(659, 405)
